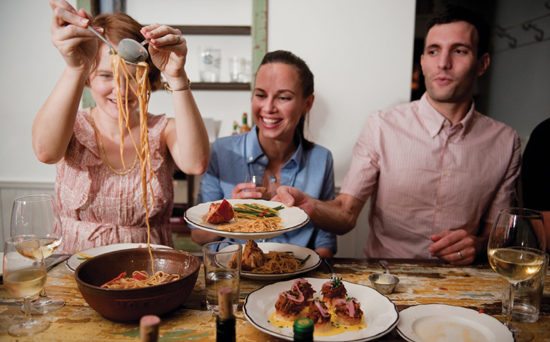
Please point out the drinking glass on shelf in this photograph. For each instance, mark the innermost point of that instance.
(516, 251)
(209, 64)
(24, 272)
(237, 67)
(38, 215)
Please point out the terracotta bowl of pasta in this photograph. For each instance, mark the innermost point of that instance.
(129, 305)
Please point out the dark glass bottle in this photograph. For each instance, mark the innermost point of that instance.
(303, 330)
(225, 322)
(225, 329)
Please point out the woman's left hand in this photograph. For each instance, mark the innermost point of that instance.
(168, 50)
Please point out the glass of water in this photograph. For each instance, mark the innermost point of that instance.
(527, 297)
(222, 268)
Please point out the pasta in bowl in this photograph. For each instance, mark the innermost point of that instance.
(290, 219)
(129, 305)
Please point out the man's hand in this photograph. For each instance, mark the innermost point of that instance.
(290, 197)
(456, 246)
(337, 216)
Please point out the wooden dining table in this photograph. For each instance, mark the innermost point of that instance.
(475, 287)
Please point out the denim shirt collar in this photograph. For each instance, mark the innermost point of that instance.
(255, 155)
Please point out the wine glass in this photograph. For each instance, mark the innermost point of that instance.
(516, 252)
(24, 273)
(255, 180)
(38, 215)
(258, 181)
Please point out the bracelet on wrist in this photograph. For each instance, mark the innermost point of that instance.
(170, 90)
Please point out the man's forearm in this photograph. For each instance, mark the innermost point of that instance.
(338, 216)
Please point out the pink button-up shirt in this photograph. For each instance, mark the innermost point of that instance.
(426, 176)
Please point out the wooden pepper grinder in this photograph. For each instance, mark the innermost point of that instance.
(149, 328)
(225, 322)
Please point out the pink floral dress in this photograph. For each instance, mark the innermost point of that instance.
(99, 207)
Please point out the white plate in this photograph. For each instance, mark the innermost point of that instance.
(380, 313)
(299, 253)
(439, 322)
(292, 218)
(73, 262)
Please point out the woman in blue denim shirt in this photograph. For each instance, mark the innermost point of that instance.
(275, 150)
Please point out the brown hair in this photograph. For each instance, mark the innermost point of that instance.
(306, 81)
(453, 13)
(118, 26)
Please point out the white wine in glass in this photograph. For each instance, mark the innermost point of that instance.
(38, 215)
(24, 276)
(516, 252)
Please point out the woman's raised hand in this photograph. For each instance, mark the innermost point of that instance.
(168, 50)
(75, 42)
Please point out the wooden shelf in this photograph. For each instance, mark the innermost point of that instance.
(219, 86)
(215, 30)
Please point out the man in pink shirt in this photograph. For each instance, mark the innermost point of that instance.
(437, 171)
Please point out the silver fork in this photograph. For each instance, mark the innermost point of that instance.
(330, 268)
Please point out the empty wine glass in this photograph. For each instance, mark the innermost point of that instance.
(516, 252)
(38, 215)
(258, 181)
(24, 273)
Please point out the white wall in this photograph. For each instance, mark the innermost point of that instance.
(519, 78)
(360, 52)
(30, 67)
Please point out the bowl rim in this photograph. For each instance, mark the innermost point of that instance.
(394, 278)
(99, 288)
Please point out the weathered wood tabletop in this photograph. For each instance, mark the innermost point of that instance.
(476, 287)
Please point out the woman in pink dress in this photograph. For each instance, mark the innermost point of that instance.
(99, 196)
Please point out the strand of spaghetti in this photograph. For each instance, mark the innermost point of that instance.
(142, 91)
(115, 64)
(141, 75)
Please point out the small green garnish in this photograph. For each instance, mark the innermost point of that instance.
(349, 299)
(336, 282)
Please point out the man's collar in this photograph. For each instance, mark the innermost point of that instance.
(435, 121)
